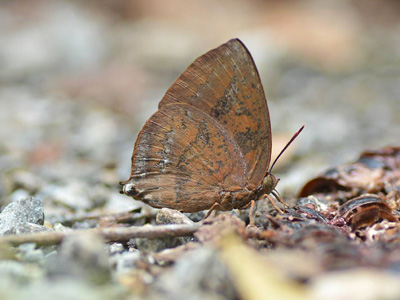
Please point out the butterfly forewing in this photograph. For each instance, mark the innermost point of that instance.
(184, 158)
(224, 83)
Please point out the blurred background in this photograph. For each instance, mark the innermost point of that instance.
(79, 78)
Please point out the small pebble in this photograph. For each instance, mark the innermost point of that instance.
(22, 216)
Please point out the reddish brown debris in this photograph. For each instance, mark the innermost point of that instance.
(359, 194)
(366, 210)
(374, 172)
(214, 228)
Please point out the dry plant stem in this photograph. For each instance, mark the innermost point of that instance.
(114, 234)
(120, 217)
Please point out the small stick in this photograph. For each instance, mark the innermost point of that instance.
(118, 217)
(113, 234)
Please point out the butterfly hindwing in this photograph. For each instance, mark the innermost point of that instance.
(180, 158)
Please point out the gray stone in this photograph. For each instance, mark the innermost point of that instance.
(172, 216)
(115, 248)
(17, 195)
(72, 194)
(22, 216)
(19, 273)
(126, 261)
(154, 244)
(82, 256)
(26, 181)
(26, 227)
(61, 289)
(199, 274)
(29, 253)
(165, 216)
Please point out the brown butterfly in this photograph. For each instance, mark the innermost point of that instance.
(209, 143)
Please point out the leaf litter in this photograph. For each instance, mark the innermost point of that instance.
(343, 222)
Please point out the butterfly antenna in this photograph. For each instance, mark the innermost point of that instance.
(287, 145)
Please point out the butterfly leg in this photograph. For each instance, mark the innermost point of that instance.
(252, 214)
(274, 204)
(280, 199)
(213, 207)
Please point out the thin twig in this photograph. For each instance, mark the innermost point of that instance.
(113, 234)
(125, 217)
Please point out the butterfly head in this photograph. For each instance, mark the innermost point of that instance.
(269, 183)
(129, 189)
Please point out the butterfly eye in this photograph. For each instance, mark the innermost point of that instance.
(130, 190)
